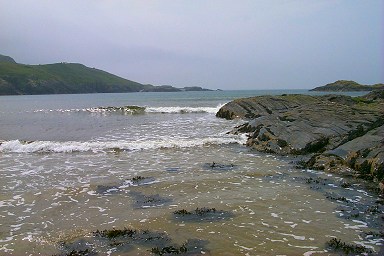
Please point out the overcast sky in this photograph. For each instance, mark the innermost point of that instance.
(237, 44)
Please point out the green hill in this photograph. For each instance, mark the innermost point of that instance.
(4, 58)
(345, 86)
(60, 78)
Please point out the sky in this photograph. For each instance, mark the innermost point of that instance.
(216, 44)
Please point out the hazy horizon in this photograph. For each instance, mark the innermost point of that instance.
(229, 45)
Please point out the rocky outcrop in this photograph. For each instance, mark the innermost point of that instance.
(332, 132)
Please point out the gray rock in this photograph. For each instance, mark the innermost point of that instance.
(337, 130)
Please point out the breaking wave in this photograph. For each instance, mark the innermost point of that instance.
(17, 146)
(137, 110)
(176, 110)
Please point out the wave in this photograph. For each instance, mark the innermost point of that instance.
(17, 146)
(138, 110)
(177, 110)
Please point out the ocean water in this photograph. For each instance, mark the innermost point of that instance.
(74, 164)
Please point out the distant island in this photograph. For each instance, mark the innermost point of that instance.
(68, 78)
(347, 86)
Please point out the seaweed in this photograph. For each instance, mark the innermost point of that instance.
(79, 247)
(198, 211)
(113, 233)
(202, 214)
(337, 198)
(374, 209)
(138, 180)
(225, 114)
(169, 250)
(86, 252)
(182, 212)
(316, 146)
(364, 170)
(316, 183)
(190, 247)
(345, 185)
(203, 211)
(126, 237)
(125, 240)
(282, 143)
(375, 234)
(317, 180)
(338, 245)
(247, 128)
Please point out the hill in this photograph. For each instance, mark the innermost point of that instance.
(60, 78)
(347, 86)
(66, 78)
(4, 58)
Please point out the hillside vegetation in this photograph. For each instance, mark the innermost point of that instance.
(60, 78)
(66, 78)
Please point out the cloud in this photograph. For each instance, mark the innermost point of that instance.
(218, 44)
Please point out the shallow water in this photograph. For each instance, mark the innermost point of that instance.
(135, 171)
(274, 209)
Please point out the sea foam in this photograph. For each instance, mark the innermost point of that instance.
(137, 110)
(18, 146)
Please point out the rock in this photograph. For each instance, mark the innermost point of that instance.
(338, 132)
(381, 186)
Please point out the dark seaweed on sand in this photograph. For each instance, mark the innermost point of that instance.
(202, 214)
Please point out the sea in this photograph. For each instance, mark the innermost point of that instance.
(160, 174)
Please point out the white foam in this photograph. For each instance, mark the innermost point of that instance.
(294, 236)
(17, 146)
(128, 109)
(177, 110)
(275, 215)
(361, 224)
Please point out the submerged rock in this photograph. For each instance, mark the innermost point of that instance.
(145, 201)
(218, 166)
(338, 133)
(107, 189)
